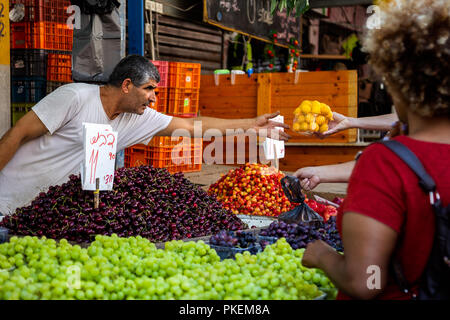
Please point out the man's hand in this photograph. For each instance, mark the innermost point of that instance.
(264, 122)
(339, 123)
(309, 178)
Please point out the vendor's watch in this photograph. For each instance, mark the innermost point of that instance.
(358, 155)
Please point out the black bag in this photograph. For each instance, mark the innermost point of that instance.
(302, 212)
(99, 7)
(435, 281)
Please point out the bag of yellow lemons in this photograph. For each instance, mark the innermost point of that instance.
(312, 116)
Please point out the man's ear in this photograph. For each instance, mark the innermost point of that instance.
(126, 85)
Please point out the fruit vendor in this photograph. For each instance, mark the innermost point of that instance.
(45, 146)
(386, 214)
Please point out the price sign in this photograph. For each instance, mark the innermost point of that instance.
(270, 144)
(100, 144)
(4, 32)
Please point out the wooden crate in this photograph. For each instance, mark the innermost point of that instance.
(271, 92)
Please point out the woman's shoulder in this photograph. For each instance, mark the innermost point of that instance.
(419, 147)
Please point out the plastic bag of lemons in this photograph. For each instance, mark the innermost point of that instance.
(311, 117)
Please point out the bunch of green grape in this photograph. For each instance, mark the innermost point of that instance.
(133, 268)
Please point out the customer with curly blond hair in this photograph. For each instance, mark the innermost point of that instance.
(386, 213)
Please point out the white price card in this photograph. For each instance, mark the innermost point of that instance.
(270, 144)
(100, 144)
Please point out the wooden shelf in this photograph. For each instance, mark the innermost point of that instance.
(323, 56)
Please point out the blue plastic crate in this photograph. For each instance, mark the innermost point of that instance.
(230, 252)
(3, 235)
(266, 241)
(28, 89)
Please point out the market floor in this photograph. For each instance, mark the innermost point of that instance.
(211, 173)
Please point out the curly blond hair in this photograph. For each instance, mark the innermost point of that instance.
(411, 50)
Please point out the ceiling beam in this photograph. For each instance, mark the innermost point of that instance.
(337, 3)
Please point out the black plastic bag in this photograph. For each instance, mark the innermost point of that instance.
(301, 213)
(99, 7)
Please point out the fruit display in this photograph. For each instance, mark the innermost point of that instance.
(133, 268)
(227, 243)
(312, 116)
(233, 239)
(145, 201)
(252, 189)
(240, 239)
(299, 235)
(338, 200)
(326, 211)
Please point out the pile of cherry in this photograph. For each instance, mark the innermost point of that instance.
(145, 201)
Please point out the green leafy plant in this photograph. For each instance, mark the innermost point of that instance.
(300, 6)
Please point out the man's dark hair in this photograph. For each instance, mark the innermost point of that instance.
(135, 67)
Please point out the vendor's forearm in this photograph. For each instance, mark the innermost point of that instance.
(383, 122)
(223, 125)
(336, 172)
(9, 144)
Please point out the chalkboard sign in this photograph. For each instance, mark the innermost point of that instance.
(252, 17)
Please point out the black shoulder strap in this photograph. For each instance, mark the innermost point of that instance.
(425, 181)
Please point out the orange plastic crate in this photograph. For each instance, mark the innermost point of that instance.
(161, 100)
(136, 156)
(59, 67)
(44, 10)
(184, 75)
(183, 102)
(180, 155)
(41, 35)
(163, 68)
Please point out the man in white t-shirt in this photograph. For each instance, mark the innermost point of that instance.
(45, 146)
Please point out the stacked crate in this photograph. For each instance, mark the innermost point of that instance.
(184, 89)
(177, 95)
(162, 92)
(42, 32)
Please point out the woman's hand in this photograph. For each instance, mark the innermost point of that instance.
(313, 251)
(339, 123)
(308, 176)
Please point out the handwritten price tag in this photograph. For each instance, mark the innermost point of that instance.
(100, 144)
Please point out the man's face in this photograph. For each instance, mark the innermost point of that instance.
(141, 97)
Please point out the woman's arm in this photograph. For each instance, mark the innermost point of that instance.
(368, 246)
(310, 177)
(341, 122)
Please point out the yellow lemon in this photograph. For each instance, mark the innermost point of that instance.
(301, 118)
(309, 118)
(298, 111)
(313, 126)
(305, 102)
(296, 126)
(323, 128)
(306, 106)
(320, 120)
(329, 116)
(324, 109)
(304, 126)
(315, 107)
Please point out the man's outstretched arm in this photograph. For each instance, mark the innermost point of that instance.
(259, 124)
(27, 128)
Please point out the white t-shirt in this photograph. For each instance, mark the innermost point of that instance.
(50, 159)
